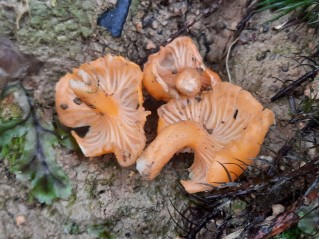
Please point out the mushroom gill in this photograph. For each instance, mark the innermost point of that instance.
(177, 70)
(102, 101)
(225, 127)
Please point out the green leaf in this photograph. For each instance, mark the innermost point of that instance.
(29, 149)
(301, 10)
(20, 106)
(309, 223)
(64, 136)
(291, 233)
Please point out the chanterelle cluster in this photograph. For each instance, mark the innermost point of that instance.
(223, 124)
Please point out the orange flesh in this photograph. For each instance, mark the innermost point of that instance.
(225, 128)
(162, 69)
(168, 142)
(99, 101)
(105, 96)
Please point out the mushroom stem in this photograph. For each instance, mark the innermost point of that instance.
(172, 139)
(188, 82)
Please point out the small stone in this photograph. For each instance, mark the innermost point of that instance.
(154, 25)
(263, 29)
(138, 26)
(277, 209)
(62, 38)
(221, 24)
(233, 26)
(219, 222)
(150, 45)
(245, 37)
(20, 220)
(302, 164)
(132, 174)
(164, 23)
(285, 67)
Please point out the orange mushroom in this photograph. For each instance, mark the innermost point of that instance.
(102, 101)
(177, 70)
(225, 128)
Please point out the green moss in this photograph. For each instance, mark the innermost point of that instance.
(291, 233)
(237, 207)
(90, 186)
(134, 7)
(72, 200)
(9, 109)
(13, 151)
(58, 23)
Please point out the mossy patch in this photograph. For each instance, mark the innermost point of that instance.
(56, 24)
(9, 109)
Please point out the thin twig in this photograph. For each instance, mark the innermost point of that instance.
(227, 58)
(295, 84)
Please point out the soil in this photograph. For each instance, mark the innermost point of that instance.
(63, 34)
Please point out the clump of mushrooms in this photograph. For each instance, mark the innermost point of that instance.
(225, 127)
(177, 70)
(102, 102)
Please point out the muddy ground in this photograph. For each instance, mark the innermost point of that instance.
(64, 34)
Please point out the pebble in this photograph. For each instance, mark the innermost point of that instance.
(263, 29)
(20, 220)
(132, 174)
(285, 67)
(150, 44)
(154, 25)
(244, 37)
(138, 26)
(277, 209)
(233, 26)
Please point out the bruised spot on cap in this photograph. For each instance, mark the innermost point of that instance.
(64, 106)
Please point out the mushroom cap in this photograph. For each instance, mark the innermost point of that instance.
(163, 69)
(235, 125)
(102, 101)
